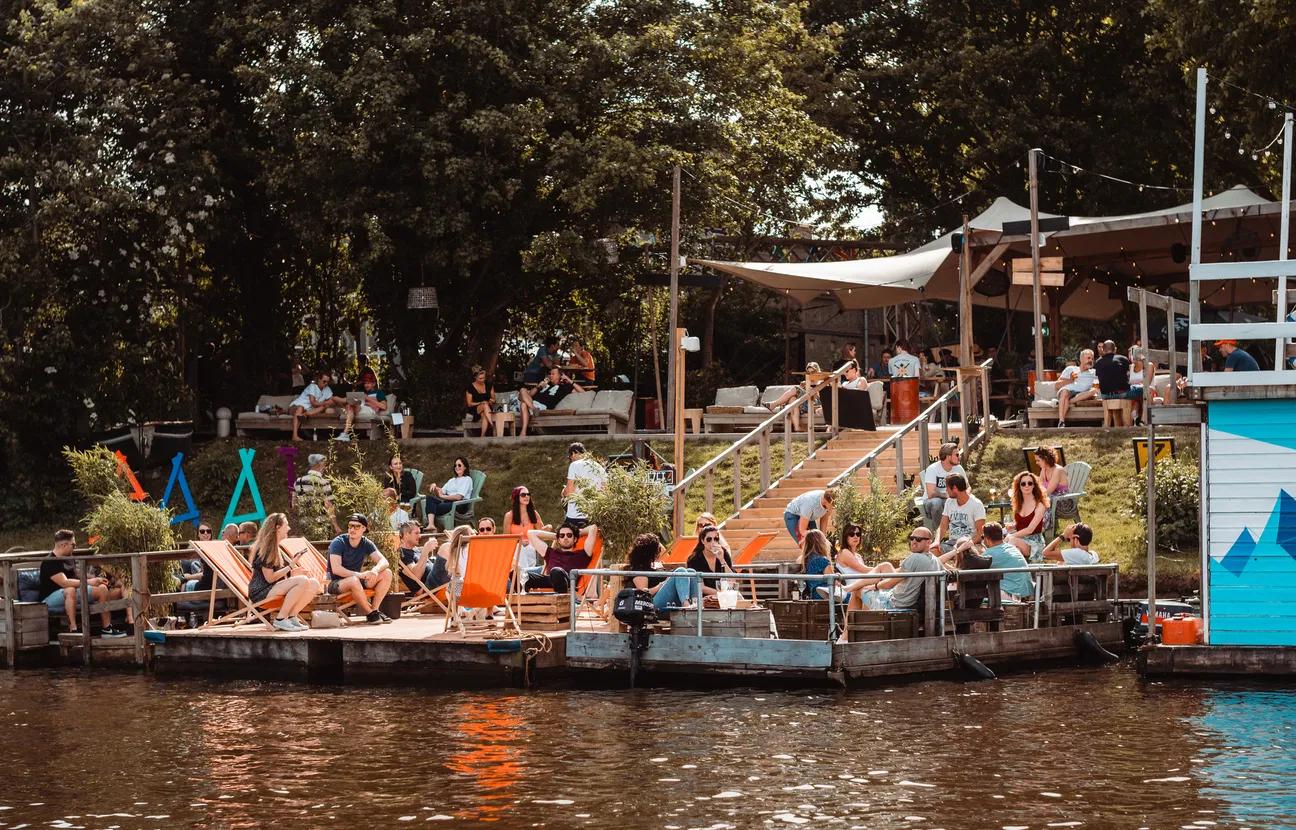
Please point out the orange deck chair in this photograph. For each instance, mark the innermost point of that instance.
(747, 555)
(680, 550)
(308, 557)
(234, 571)
(492, 559)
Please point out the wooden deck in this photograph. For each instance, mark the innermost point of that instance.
(1202, 661)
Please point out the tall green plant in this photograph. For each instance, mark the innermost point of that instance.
(361, 492)
(880, 514)
(1178, 502)
(631, 503)
(119, 525)
(94, 473)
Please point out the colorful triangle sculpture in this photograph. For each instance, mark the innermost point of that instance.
(123, 469)
(246, 479)
(178, 477)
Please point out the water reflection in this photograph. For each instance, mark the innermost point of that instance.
(1068, 748)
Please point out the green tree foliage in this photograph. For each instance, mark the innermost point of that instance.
(880, 514)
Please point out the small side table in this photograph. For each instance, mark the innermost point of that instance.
(505, 419)
(693, 417)
(407, 428)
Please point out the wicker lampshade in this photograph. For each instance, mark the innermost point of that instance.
(423, 297)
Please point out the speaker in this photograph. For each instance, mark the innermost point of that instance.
(1179, 253)
(956, 242)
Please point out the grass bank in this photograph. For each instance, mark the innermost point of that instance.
(1107, 505)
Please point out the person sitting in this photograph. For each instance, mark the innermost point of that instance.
(422, 560)
(1030, 506)
(196, 574)
(400, 479)
(546, 357)
(903, 365)
(964, 515)
(1076, 384)
(374, 402)
(315, 399)
(1138, 366)
(581, 363)
(441, 500)
(811, 509)
(852, 379)
(230, 533)
(710, 556)
(932, 374)
(485, 526)
(348, 553)
(398, 515)
(1235, 359)
(707, 519)
(815, 559)
(790, 395)
(933, 479)
(1015, 586)
(947, 359)
(247, 533)
(882, 593)
(1052, 478)
(275, 575)
(60, 588)
(547, 395)
(479, 399)
(561, 556)
(882, 369)
(1113, 373)
(667, 591)
(1076, 551)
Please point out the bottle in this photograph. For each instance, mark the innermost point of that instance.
(193, 620)
(796, 591)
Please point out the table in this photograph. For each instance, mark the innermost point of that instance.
(407, 427)
(1001, 506)
(693, 417)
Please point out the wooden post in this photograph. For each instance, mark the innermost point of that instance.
(899, 451)
(737, 480)
(836, 384)
(1194, 288)
(10, 594)
(83, 591)
(787, 445)
(677, 417)
(139, 603)
(672, 362)
(764, 460)
(809, 419)
(1035, 267)
(1151, 466)
(1172, 393)
(965, 320)
(1284, 227)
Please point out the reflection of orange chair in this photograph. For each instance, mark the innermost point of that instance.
(489, 754)
(309, 559)
(747, 555)
(233, 570)
(680, 551)
(491, 561)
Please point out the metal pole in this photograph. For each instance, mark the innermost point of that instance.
(1199, 164)
(671, 364)
(1035, 266)
(1151, 471)
(1284, 227)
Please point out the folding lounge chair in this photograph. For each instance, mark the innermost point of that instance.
(491, 561)
(233, 570)
(307, 556)
(680, 550)
(424, 596)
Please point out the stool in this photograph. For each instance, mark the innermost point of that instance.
(1117, 413)
(693, 417)
(503, 419)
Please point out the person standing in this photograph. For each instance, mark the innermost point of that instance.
(581, 471)
(964, 516)
(314, 486)
(933, 478)
(60, 588)
(546, 357)
(808, 511)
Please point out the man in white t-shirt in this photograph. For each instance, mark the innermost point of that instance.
(1077, 551)
(964, 516)
(580, 470)
(903, 364)
(1075, 384)
(812, 510)
(933, 478)
(315, 399)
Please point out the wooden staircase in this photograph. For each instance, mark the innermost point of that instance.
(831, 460)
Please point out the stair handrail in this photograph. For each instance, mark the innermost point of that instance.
(895, 441)
(680, 490)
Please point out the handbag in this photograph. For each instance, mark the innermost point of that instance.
(325, 619)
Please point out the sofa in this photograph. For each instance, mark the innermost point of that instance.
(1044, 409)
(332, 419)
(607, 410)
(741, 408)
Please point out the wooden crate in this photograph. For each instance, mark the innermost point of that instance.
(751, 623)
(1017, 617)
(542, 612)
(31, 624)
(871, 626)
(801, 619)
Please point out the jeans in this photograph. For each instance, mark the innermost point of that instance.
(791, 520)
(933, 509)
(437, 507)
(675, 591)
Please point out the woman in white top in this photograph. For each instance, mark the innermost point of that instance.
(440, 500)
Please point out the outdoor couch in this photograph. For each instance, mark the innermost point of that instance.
(607, 410)
(741, 408)
(1044, 409)
(333, 418)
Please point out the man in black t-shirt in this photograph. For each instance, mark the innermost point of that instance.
(555, 387)
(1113, 370)
(60, 589)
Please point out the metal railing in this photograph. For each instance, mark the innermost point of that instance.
(760, 435)
(923, 425)
(942, 578)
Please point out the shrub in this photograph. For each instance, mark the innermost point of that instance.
(1178, 505)
(631, 503)
(125, 526)
(880, 514)
(94, 473)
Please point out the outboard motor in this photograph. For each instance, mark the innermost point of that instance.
(634, 608)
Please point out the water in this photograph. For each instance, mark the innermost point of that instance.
(1068, 748)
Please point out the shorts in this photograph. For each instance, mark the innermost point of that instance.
(365, 411)
(878, 600)
(334, 587)
(54, 602)
(1128, 395)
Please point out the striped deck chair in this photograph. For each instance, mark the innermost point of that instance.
(747, 555)
(680, 550)
(491, 560)
(308, 557)
(233, 570)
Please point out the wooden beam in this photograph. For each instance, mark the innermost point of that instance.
(1242, 331)
(1158, 301)
(1262, 269)
(983, 267)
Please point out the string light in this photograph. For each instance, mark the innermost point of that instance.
(1075, 168)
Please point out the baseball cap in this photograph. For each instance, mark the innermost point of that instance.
(1225, 342)
(314, 458)
(359, 517)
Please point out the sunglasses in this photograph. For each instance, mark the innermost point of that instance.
(711, 539)
(524, 495)
(484, 529)
(204, 530)
(919, 538)
(566, 535)
(859, 533)
(354, 524)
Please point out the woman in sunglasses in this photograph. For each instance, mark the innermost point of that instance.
(710, 556)
(1030, 510)
(521, 518)
(705, 520)
(850, 562)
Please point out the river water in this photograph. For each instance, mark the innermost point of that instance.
(1075, 747)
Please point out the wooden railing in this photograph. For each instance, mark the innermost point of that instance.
(923, 425)
(760, 436)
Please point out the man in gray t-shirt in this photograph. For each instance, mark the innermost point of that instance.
(895, 594)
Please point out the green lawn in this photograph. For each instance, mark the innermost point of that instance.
(1106, 506)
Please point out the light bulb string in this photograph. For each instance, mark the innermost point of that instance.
(1117, 179)
(1274, 103)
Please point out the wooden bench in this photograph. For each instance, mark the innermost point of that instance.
(331, 419)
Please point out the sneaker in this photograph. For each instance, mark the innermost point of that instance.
(284, 625)
(299, 623)
(342, 436)
(384, 617)
(111, 633)
(374, 618)
(1061, 425)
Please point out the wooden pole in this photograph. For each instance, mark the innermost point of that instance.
(677, 418)
(1151, 468)
(1035, 267)
(965, 325)
(10, 595)
(672, 365)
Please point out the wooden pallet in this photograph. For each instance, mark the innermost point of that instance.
(542, 612)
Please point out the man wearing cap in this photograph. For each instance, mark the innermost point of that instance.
(1235, 359)
(348, 554)
(313, 484)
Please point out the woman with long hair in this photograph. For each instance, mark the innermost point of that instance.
(522, 516)
(1030, 505)
(787, 397)
(479, 397)
(667, 591)
(710, 556)
(816, 558)
(441, 499)
(274, 575)
(850, 562)
(1053, 479)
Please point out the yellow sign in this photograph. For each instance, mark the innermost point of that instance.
(1165, 448)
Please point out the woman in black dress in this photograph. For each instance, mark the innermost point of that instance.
(479, 396)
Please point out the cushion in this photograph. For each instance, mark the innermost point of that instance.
(756, 410)
(773, 393)
(725, 410)
(617, 401)
(737, 396)
(29, 585)
(1045, 391)
(576, 402)
(877, 394)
